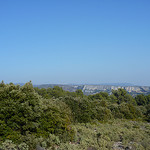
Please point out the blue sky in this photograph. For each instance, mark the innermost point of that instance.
(80, 41)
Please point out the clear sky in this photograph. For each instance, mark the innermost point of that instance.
(75, 41)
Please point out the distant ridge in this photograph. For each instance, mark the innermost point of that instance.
(111, 84)
(114, 84)
(89, 89)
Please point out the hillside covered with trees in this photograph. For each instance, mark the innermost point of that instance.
(54, 119)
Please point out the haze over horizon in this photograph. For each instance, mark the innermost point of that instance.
(112, 84)
(76, 42)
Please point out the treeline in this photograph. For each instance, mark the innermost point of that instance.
(29, 114)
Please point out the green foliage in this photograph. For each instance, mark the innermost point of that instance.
(148, 113)
(9, 145)
(23, 111)
(99, 96)
(79, 93)
(81, 110)
(109, 136)
(122, 96)
(19, 109)
(148, 99)
(57, 92)
(126, 111)
(141, 99)
(56, 119)
(85, 110)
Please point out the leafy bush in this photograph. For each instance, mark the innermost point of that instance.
(23, 111)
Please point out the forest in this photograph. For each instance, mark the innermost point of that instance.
(53, 119)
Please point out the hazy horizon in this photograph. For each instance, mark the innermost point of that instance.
(111, 84)
(65, 42)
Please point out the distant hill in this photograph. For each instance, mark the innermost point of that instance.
(93, 89)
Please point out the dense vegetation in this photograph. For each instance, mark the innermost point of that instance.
(57, 119)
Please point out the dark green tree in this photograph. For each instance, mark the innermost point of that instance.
(122, 96)
(141, 99)
(79, 93)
